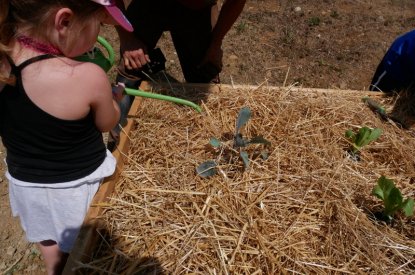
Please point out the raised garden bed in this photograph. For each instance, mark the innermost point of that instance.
(306, 209)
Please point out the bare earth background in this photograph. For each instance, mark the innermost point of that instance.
(333, 44)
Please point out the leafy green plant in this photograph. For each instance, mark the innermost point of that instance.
(314, 21)
(392, 199)
(241, 27)
(239, 144)
(363, 137)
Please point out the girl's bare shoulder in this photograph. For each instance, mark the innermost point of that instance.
(83, 69)
(86, 74)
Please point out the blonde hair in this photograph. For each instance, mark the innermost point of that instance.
(33, 17)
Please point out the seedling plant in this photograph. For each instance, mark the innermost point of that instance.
(363, 137)
(228, 151)
(393, 201)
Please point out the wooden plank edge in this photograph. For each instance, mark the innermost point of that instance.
(88, 235)
(213, 87)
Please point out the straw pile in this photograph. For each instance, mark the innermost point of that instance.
(305, 210)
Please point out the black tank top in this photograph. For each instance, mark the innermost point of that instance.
(42, 148)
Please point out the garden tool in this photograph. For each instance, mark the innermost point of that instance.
(381, 111)
(157, 63)
(375, 107)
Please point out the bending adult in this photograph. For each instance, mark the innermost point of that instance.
(197, 28)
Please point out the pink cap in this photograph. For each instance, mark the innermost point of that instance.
(116, 13)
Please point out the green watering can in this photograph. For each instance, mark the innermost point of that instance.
(97, 56)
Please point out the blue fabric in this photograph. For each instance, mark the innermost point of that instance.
(396, 71)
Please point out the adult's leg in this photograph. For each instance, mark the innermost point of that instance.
(191, 32)
(54, 259)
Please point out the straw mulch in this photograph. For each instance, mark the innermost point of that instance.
(306, 210)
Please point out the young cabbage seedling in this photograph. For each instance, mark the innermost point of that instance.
(392, 199)
(363, 137)
(208, 168)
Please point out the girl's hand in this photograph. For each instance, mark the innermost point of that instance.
(118, 91)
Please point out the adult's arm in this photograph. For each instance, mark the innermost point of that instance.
(132, 50)
(229, 13)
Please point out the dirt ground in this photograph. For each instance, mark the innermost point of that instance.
(333, 44)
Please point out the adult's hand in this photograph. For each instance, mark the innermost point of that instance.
(133, 52)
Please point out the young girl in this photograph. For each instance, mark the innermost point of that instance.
(52, 112)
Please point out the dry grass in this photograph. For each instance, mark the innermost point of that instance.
(305, 210)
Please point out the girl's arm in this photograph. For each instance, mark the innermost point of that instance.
(104, 107)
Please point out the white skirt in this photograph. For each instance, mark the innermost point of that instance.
(56, 211)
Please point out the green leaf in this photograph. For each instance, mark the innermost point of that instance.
(392, 198)
(259, 140)
(349, 134)
(207, 169)
(215, 142)
(243, 117)
(368, 135)
(383, 188)
(378, 192)
(244, 156)
(408, 207)
(362, 136)
(393, 202)
(375, 134)
(387, 185)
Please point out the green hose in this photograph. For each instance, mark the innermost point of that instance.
(108, 47)
(141, 93)
(134, 92)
